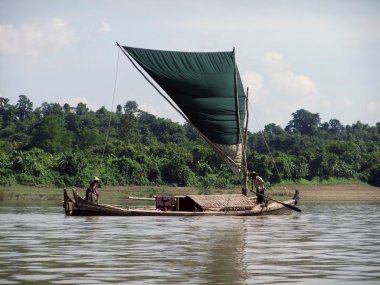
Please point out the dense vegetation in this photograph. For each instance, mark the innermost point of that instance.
(65, 146)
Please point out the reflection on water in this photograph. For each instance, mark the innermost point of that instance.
(327, 244)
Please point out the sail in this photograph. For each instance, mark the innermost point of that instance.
(202, 85)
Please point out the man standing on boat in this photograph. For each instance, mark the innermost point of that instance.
(258, 184)
(91, 190)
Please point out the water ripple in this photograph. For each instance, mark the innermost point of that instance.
(327, 244)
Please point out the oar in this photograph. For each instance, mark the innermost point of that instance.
(286, 205)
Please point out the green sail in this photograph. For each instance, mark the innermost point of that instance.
(202, 85)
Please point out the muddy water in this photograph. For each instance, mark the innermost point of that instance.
(325, 244)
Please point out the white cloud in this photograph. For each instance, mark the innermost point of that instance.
(253, 81)
(36, 39)
(373, 106)
(284, 80)
(283, 91)
(343, 101)
(104, 28)
(303, 24)
(74, 101)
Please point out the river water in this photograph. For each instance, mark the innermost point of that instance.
(325, 244)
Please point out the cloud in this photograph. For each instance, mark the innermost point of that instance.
(284, 80)
(343, 101)
(74, 101)
(36, 39)
(373, 106)
(253, 81)
(306, 24)
(104, 28)
(280, 91)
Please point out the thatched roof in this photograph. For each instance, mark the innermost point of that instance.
(230, 201)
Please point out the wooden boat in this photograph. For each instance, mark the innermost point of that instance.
(206, 90)
(191, 205)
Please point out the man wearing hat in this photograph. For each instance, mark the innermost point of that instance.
(258, 184)
(91, 190)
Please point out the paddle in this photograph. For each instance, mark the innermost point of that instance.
(286, 205)
(96, 198)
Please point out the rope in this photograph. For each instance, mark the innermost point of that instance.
(151, 83)
(267, 146)
(110, 116)
(266, 143)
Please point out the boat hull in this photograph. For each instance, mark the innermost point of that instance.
(80, 207)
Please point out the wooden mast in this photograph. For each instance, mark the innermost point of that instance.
(240, 135)
(245, 163)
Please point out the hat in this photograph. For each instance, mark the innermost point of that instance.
(95, 179)
(253, 173)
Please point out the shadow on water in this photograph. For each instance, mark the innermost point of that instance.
(326, 244)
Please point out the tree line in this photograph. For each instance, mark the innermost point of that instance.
(66, 145)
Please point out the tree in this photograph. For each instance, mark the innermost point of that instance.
(262, 164)
(89, 138)
(7, 113)
(374, 175)
(145, 149)
(24, 107)
(285, 166)
(4, 103)
(176, 171)
(119, 110)
(304, 122)
(52, 135)
(191, 133)
(131, 107)
(335, 127)
(81, 109)
(48, 109)
(66, 108)
(128, 130)
(273, 129)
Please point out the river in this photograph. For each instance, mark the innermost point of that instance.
(325, 244)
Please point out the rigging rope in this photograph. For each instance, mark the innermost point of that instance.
(265, 141)
(110, 116)
(151, 83)
(266, 144)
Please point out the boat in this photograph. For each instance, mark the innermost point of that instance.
(188, 205)
(205, 88)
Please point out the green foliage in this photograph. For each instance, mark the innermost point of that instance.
(24, 108)
(304, 122)
(374, 176)
(66, 146)
(52, 136)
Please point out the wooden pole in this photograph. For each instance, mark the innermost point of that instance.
(245, 165)
(139, 198)
(239, 134)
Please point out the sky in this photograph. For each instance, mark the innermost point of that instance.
(321, 56)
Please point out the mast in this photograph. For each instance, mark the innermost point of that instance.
(240, 135)
(245, 163)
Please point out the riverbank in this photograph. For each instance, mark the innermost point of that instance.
(342, 193)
